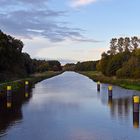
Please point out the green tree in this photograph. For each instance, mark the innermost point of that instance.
(120, 45)
(113, 46)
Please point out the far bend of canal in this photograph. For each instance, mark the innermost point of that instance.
(68, 107)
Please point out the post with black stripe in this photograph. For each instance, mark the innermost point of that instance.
(9, 97)
(136, 101)
(98, 86)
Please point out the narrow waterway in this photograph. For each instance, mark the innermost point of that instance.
(68, 107)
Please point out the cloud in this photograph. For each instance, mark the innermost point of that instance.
(23, 2)
(33, 18)
(78, 3)
(87, 40)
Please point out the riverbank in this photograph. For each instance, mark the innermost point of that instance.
(34, 78)
(133, 84)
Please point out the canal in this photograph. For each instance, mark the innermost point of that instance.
(68, 107)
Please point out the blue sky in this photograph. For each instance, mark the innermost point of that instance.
(69, 30)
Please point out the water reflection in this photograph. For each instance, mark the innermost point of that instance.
(119, 107)
(122, 107)
(69, 107)
(11, 109)
(9, 101)
(136, 119)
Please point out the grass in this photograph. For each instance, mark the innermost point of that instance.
(34, 78)
(133, 84)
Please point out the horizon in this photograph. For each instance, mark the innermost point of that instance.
(69, 30)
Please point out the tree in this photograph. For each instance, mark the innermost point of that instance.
(116, 63)
(86, 66)
(15, 64)
(120, 45)
(127, 46)
(113, 46)
(135, 42)
(130, 69)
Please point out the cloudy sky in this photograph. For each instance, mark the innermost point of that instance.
(69, 30)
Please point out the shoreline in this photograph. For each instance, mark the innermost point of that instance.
(132, 84)
(33, 79)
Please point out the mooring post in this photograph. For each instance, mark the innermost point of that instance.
(26, 89)
(98, 86)
(26, 85)
(136, 101)
(110, 88)
(9, 96)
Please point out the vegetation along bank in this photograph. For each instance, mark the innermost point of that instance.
(120, 65)
(32, 79)
(133, 84)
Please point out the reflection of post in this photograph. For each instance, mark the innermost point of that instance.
(110, 101)
(136, 101)
(98, 86)
(26, 94)
(9, 96)
(110, 91)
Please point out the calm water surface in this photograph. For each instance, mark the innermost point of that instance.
(68, 107)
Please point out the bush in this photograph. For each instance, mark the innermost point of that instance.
(136, 73)
(130, 69)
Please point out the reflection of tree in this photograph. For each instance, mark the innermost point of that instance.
(136, 119)
(9, 116)
(119, 107)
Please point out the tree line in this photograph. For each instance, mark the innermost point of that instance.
(81, 66)
(16, 64)
(122, 59)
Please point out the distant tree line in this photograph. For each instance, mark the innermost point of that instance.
(122, 59)
(81, 66)
(15, 64)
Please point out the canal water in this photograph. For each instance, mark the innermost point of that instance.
(68, 107)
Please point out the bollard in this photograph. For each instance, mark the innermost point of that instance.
(9, 90)
(26, 85)
(26, 89)
(9, 97)
(98, 86)
(136, 101)
(110, 91)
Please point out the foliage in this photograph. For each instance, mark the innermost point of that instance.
(86, 66)
(69, 67)
(125, 83)
(81, 66)
(122, 59)
(15, 64)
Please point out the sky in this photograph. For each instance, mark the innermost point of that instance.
(69, 30)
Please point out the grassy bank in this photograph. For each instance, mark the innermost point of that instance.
(32, 80)
(125, 83)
